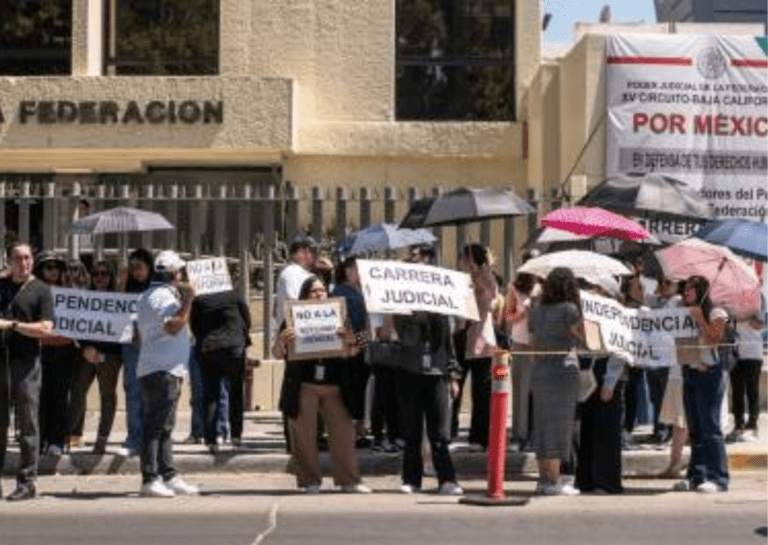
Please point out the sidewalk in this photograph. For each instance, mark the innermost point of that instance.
(263, 451)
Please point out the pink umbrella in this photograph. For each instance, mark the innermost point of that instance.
(732, 283)
(594, 222)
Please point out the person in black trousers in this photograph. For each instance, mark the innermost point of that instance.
(220, 323)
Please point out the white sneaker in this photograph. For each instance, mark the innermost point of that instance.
(409, 489)
(568, 489)
(682, 486)
(181, 487)
(450, 489)
(126, 452)
(708, 487)
(156, 489)
(358, 488)
(548, 489)
(312, 489)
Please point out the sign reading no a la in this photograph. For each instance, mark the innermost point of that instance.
(209, 275)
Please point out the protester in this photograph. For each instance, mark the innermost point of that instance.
(221, 323)
(557, 328)
(303, 254)
(102, 360)
(26, 307)
(703, 390)
(745, 379)
(162, 316)
(598, 466)
(141, 268)
(198, 408)
(634, 297)
(480, 340)
(520, 297)
(348, 287)
(319, 385)
(57, 357)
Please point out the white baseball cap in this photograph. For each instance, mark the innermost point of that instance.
(169, 261)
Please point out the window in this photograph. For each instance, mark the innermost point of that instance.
(35, 37)
(455, 60)
(162, 37)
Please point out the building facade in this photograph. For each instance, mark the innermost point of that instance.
(711, 11)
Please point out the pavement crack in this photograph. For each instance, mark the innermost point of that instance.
(271, 527)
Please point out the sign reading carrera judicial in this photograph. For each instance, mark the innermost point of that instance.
(394, 287)
(693, 107)
(94, 315)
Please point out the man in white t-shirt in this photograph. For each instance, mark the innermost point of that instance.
(303, 253)
(745, 380)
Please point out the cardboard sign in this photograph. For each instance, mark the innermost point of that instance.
(643, 336)
(94, 315)
(316, 324)
(209, 275)
(394, 287)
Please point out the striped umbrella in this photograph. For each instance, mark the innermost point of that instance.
(121, 220)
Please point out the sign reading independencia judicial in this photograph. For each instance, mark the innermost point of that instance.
(643, 336)
(94, 315)
(394, 287)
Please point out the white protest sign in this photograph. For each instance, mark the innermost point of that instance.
(693, 107)
(394, 287)
(643, 336)
(209, 275)
(316, 324)
(94, 315)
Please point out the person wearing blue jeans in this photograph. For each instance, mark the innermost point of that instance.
(134, 407)
(197, 403)
(703, 390)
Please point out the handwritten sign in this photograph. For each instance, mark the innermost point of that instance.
(94, 315)
(316, 324)
(641, 336)
(393, 287)
(209, 275)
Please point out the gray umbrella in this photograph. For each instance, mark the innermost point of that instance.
(121, 220)
(382, 237)
(464, 206)
(652, 194)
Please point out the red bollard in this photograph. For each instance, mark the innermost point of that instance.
(497, 437)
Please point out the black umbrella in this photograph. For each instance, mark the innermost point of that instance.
(464, 206)
(642, 194)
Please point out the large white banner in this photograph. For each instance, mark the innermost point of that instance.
(644, 336)
(692, 107)
(394, 287)
(209, 275)
(94, 315)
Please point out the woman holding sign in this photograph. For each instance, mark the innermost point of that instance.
(103, 362)
(321, 384)
(703, 390)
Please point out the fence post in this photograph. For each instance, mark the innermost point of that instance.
(74, 249)
(509, 249)
(317, 214)
(125, 193)
(198, 219)
(98, 240)
(485, 233)
(291, 214)
(220, 216)
(341, 212)
(365, 207)
(171, 236)
(149, 195)
(243, 236)
(533, 219)
(461, 240)
(389, 204)
(49, 214)
(438, 231)
(269, 273)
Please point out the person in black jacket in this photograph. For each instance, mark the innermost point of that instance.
(325, 385)
(220, 323)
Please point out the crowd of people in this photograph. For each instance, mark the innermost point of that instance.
(418, 363)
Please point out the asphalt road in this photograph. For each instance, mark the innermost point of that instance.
(251, 509)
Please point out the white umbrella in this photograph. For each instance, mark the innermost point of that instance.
(121, 220)
(590, 266)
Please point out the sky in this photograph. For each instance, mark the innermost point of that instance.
(566, 12)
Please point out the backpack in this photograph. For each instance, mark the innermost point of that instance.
(727, 353)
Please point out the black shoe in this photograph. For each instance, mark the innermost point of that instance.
(22, 492)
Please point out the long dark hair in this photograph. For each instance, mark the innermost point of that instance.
(132, 285)
(561, 287)
(701, 286)
(110, 268)
(306, 286)
(477, 253)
